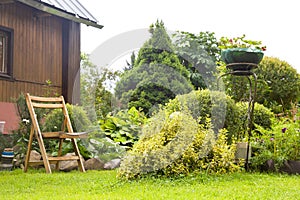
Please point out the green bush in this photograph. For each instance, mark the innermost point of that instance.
(222, 159)
(53, 122)
(176, 144)
(21, 136)
(262, 117)
(104, 148)
(222, 110)
(124, 127)
(279, 84)
(155, 76)
(204, 104)
(78, 117)
(149, 96)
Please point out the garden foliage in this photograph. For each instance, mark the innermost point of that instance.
(124, 127)
(278, 84)
(52, 122)
(79, 120)
(279, 144)
(222, 111)
(49, 122)
(176, 144)
(198, 53)
(95, 98)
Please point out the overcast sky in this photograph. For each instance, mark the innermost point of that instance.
(275, 23)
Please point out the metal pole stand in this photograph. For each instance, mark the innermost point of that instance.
(244, 69)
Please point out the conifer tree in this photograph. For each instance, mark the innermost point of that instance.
(157, 74)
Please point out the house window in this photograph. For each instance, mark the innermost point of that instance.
(5, 52)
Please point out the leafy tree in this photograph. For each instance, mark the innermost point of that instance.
(156, 64)
(95, 98)
(198, 53)
(103, 99)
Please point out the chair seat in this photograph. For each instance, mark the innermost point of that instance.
(62, 135)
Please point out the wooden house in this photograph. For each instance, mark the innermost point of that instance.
(39, 50)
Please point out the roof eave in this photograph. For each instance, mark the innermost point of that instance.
(60, 13)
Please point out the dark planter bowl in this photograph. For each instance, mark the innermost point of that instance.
(242, 55)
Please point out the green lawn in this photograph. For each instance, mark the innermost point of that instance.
(104, 185)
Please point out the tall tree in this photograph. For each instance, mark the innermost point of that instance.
(156, 66)
(95, 98)
(198, 53)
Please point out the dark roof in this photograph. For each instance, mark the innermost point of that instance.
(69, 9)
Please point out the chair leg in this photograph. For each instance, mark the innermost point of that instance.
(59, 152)
(76, 149)
(44, 153)
(29, 149)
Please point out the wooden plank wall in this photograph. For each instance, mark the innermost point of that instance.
(37, 51)
(71, 62)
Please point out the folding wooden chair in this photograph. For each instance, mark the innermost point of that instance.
(33, 103)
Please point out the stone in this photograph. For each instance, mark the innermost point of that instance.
(34, 155)
(94, 164)
(113, 164)
(68, 165)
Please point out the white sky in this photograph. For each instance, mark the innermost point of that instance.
(275, 23)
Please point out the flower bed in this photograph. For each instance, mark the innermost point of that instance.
(277, 149)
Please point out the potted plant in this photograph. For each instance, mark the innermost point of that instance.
(238, 50)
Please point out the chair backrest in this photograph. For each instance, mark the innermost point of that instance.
(34, 102)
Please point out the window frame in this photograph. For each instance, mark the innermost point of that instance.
(9, 51)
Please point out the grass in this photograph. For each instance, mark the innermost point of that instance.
(35, 184)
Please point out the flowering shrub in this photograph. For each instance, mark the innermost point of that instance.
(240, 42)
(280, 144)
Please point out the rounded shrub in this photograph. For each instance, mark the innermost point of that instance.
(262, 115)
(262, 118)
(278, 84)
(213, 105)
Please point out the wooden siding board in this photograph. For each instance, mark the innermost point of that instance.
(37, 51)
